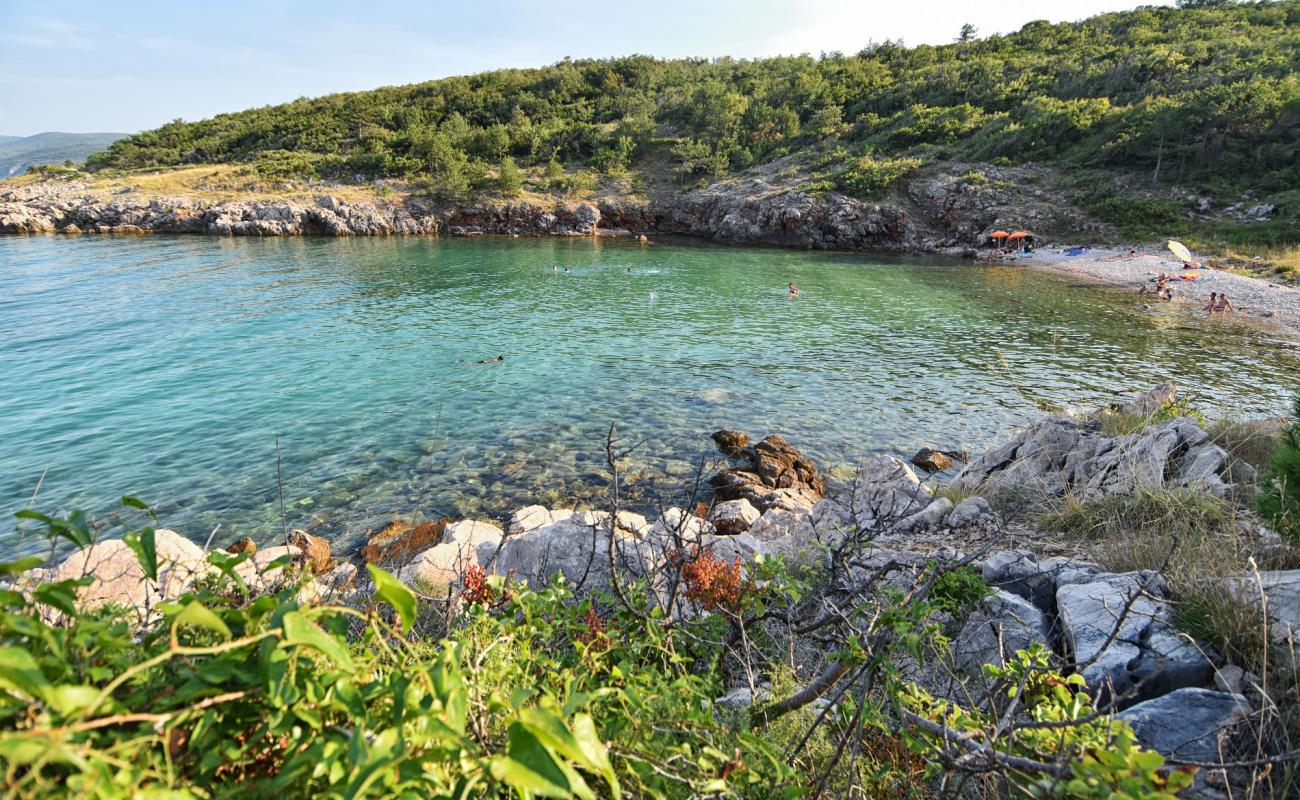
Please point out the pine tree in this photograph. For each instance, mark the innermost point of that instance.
(509, 179)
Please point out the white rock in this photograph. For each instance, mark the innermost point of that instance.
(733, 516)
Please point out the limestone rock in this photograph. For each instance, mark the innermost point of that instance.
(1003, 624)
(970, 511)
(118, 578)
(1189, 723)
(464, 544)
(578, 548)
(731, 517)
(777, 476)
(530, 518)
(1134, 650)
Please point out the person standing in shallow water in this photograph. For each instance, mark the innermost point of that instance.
(1209, 307)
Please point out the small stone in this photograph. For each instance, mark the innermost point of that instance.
(244, 545)
(932, 460)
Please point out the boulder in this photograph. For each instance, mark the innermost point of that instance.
(1131, 654)
(1145, 404)
(971, 511)
(577, 548)
(1004, 624)
(884, 493)
(731, 517)
(777, 476)
(1065, 454)
(1190, 723)
(117, 577)
(464, 544)
(398, 542)
(530, 518)
(932, 516)
(315, 550)
(1279, 592)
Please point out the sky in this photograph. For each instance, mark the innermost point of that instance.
(124, 66)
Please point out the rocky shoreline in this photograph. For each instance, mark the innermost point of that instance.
(771, 501)
(769, 206)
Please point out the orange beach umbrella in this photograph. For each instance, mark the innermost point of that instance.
(1020, 235)
(999, 235)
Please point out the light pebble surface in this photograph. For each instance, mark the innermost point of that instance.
(1254, 298)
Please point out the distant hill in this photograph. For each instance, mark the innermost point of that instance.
(17, 153)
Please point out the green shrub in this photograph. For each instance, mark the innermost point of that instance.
(1279, 499)
(960, 590)
(869, 177)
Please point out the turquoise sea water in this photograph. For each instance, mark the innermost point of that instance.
(165, 368)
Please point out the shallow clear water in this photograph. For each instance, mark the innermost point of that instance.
(165, 367)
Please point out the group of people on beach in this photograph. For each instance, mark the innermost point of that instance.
(1162, 290)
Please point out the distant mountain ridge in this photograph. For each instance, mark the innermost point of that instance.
(17, 153)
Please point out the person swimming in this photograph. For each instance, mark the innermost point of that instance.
(1209, 307)
(568, 271)
(794, 291)
(486, 360)
(555, 268)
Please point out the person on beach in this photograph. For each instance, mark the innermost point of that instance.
(1224, 304)
(1209, 307)
(486, 360)
(794, 291)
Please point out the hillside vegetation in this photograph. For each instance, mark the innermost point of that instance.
(1206, 98)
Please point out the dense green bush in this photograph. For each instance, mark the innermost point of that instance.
(869, 177)
(1279, 499)
(1207, 95)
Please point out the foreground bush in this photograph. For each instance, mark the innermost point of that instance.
(511, 692)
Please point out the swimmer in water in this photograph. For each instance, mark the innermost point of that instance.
(555, 268)
(794, 291)
(486, 360)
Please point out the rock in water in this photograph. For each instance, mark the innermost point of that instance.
(933, 460)
(398, 542)
(315, 550)
(731, 443)
(777, 476)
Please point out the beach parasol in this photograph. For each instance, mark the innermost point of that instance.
(1020, 235)
(999, 235)
(1178, 249)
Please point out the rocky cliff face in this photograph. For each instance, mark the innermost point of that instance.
(748, 212)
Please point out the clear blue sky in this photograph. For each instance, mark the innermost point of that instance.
(119, 65)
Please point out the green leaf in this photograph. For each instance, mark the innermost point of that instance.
(20, 566)
(529, 767)
(69, 699)
(61, 596)
(19, 672)
(146, 550)
(298, 630)
(197, 615)
(396, 594)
